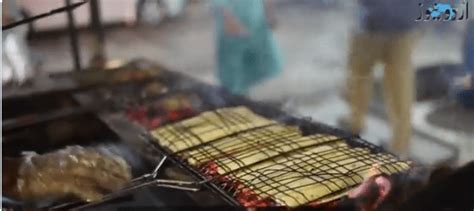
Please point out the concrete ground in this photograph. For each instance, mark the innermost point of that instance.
(314, 40)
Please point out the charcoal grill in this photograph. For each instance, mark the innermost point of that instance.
(228, 191)
(216, 98)
(137, 135)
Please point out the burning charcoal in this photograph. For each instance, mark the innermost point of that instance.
(130, 94)
(169, 109)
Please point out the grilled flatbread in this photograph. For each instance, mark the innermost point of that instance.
(313, 174)
(207, 127)
(273, 160)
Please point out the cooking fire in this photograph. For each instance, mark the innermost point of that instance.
(232, 150)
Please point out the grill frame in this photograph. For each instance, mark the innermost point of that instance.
(225, 195)
(214, 98)
(306, 125)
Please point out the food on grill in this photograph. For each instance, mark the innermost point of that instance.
(85, 173)
(130, 94)
(248, 148)
(207, 127)
(313, 174)
(153, 89)
(263, 162)
(242, 149)
(115, 76)
(132, 75)
(168, 109)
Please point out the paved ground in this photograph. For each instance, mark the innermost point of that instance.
(314, 39)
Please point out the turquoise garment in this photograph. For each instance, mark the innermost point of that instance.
(245, 61)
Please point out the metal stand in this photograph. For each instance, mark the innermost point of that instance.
(74, 39)
(98, 55)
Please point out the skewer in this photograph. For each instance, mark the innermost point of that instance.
(52, 12)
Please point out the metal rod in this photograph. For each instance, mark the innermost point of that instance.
(177, 187)
(36, 17)
(96, 20)
(154, 173)
(176, 182)
(28, 120)
(96, 26)
(74, 38)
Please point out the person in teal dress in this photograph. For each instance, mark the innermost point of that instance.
(246, 50)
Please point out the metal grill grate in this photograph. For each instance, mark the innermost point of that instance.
(263, 162)
(208, 127)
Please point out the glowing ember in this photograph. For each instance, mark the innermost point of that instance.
(244, 195)
(154, 117)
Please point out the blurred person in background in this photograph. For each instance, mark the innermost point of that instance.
(464, 86)
(246, 51)
(154, 11)
(17, 66)
(386, 33)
